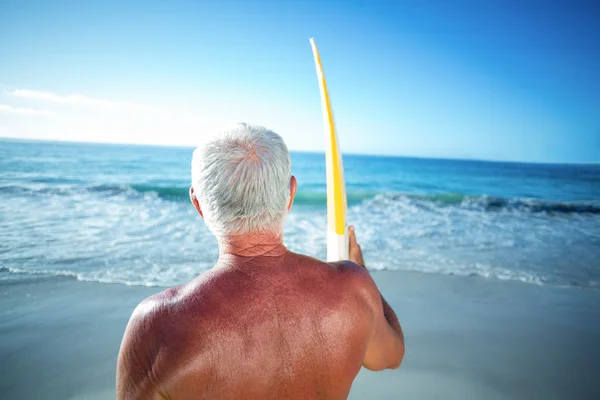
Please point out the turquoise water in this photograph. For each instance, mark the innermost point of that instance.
(121, 214)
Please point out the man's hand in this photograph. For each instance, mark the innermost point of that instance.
(354, 250)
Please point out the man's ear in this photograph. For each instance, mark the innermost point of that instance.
(293, 187)
(194, 200)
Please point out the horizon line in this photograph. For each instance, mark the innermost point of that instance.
(447, 158)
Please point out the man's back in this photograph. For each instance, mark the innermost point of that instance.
(264, 322)
(293, 328)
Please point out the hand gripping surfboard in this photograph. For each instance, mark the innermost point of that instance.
(337, 228)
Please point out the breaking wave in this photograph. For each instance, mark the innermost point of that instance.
(319, 198)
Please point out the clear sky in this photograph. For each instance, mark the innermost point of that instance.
(500, 80)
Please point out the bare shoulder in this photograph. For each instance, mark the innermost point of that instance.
(346, 275)
(155, 312)
(142, 347)
(359, 280)
(147, 317)
(350, 269)
(356, 275)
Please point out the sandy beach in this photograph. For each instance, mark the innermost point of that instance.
(466, 338)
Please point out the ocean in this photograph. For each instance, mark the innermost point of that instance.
(121, 214)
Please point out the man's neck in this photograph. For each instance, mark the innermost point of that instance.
(252, 245)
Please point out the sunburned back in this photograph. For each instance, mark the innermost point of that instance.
(294, 331)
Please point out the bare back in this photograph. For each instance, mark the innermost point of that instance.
(297, 329)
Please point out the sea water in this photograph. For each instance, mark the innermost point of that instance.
(121, 214)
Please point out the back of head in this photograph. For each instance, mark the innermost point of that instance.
(241, 178)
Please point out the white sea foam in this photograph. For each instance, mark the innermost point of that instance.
(44, 272)
(139, 238)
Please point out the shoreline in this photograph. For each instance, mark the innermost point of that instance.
(28, 275)
(466, 337)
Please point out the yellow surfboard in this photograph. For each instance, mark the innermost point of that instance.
(337, 228)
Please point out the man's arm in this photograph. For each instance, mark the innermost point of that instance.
(134, 369)
(386, 347)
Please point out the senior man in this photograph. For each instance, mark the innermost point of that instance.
(264, 322)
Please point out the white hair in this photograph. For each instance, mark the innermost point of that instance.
(241, 178)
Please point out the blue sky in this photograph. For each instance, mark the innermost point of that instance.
(500, 80)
